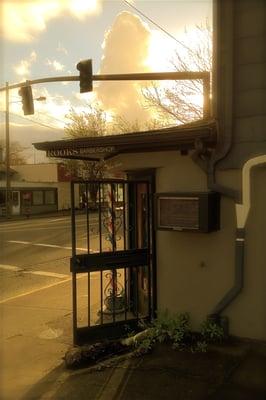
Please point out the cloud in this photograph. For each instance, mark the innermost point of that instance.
(125, 50)
(51, 112)
(23, 20)
(56, 65)
(23, 67)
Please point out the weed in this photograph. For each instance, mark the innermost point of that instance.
(211, 331)
(175, 328)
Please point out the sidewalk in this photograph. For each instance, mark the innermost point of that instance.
(236, 372)
(36, 332)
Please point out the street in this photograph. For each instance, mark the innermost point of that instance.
(36, 252)
(35, 304)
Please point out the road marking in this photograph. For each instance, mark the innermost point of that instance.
(18, 241)
(35, 290)
(45, 273)
(11, 267)
(57, 219)
(25, 271)
(46, 245)
(80, 276)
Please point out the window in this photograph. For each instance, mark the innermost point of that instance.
(37, 197)
(50, 197)
(15, 198)
(26, 198)
(2, 197)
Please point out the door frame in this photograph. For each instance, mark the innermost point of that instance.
(149, 174)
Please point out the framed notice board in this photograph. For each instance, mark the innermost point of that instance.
(195, 211)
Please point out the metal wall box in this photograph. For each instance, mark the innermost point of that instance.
(194, 211)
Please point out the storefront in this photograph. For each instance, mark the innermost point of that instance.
(28, 199)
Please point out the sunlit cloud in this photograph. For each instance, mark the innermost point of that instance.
(22, 69)
(88, 97)
(28, 18)
(55, 65)
(125, 50)
(160, 53)
(23, 20)
(53, 110)
(81, 8)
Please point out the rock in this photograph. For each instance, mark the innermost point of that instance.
(132, 340)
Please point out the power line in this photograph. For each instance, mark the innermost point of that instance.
(32, 120)
(156, 24)
(49, 116)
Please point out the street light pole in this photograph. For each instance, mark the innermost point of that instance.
(8, 182)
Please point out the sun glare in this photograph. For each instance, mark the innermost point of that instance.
(161, 50)
(81, 7)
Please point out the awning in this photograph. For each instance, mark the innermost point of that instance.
(180, 137)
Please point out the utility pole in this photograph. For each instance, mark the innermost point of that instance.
(8, 181)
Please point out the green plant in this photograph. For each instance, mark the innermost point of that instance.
(175, 328)
(165, 327)
(201, 346)
(211, 331)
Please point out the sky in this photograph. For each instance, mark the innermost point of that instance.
(47, 38)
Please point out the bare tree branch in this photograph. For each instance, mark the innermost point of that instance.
(179, 103)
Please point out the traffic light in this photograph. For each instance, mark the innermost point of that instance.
(85, 75)
(27, 100)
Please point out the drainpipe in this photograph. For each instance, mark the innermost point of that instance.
(242, 211)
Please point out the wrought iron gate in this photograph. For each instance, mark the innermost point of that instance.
(111, 264)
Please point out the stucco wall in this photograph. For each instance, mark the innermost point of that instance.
(195, 270)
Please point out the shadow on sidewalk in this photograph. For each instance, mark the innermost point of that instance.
(163, 374)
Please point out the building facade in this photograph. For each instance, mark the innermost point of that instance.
(36, 189)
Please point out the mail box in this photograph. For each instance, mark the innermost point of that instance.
(193, 211)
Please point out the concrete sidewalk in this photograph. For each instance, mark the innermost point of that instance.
(231, 372)
(36, 332)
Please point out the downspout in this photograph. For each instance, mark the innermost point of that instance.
(223, 114)
(242, 211)
(208, 162)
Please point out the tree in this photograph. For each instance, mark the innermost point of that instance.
(178, 102)
(16, 156)
(93, 123)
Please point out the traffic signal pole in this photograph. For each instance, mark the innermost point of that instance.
(204, 76)
(145, 76)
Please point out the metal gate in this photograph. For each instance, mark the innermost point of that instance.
(111, 264)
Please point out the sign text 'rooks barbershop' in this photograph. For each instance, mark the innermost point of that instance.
(78, 152)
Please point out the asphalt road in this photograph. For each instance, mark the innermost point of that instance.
(36, 252)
